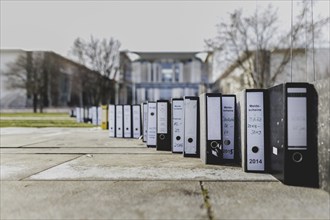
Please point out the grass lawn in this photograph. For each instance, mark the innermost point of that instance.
(39, 120)
(30, 114)
(42, 123)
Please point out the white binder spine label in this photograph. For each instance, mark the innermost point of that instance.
(190, 126)
(152, 133)
(111, 118)
(136, 121)
(119, 121)
(99, 115)
(228, 123)
(255, 131)
(77, 114)
(90, 113)
(145, 122)
(162, 117)
(213, 118)
(81, 114)
(94, 115)
(127, 120)
(178, 125)
(297, 122)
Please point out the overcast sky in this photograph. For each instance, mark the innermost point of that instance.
(138, 25)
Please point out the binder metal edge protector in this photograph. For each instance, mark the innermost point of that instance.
(145, 122)
(112, 120)
(164, 138)
(121, 122)
(127, 125)
(155, 125)
(298, 164)
(180, 137)
(235, 134)
(136, 126)
(197, 154)
(245, 137)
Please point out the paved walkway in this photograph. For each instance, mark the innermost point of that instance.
(79, 173)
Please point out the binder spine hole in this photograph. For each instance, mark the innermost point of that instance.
(227, 142)
(190, 140)
(214, 144)
(162, 137)
(297, 157)
(178, 138)
(255, 149)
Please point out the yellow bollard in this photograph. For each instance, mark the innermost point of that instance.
(104, 124)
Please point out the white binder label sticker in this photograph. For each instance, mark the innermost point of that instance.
(127, 120)
(228, 123)
(162, 117)
(112, 119)
(136, 121)
(213, 118)
(297, 122)
(178, 125)
(152, 133)
(145, 122)
(190, 126)
(119, 121)
(255, 131)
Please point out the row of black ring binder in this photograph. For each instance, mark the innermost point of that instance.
(266, 130)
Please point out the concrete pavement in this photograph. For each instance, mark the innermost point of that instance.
(79, 173)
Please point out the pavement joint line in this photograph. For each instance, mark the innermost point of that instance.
(77, 147)
(207, 203)
(22, 146)
(80, 155)
(143, 180)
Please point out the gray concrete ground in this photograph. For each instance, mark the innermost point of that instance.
(79, 173)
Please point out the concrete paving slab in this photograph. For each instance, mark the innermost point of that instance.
(39, 131)
(19, 137)
(145, 167)
(271, 200)
(90, 142)
(21, 140)
(63, 137)
(101, 200)
(18, 166)
(81, 150)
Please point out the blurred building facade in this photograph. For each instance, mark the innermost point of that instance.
(65, 83)
(234, 78)
(142, 76)
(166, 75)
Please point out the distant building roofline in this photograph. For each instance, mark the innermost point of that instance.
(155, 55)
(54, 54)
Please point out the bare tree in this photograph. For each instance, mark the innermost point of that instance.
(29, 72)
(256, 36)
(101, 56)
